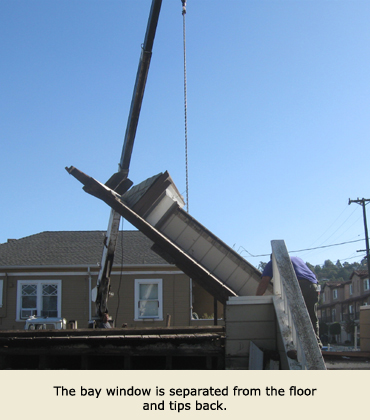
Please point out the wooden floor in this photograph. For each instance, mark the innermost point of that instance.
(118, 348)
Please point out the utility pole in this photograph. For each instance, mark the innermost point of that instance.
(363, 202)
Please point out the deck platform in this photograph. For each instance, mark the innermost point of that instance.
(117, 348)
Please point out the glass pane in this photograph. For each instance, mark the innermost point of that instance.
(49, 304)
(49, 289)
(148, 291)
(29, 290)
(28, 302)
(148, 308)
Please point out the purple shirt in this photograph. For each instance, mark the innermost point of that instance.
(301, 270)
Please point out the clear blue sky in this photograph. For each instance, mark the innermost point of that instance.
(278, 116)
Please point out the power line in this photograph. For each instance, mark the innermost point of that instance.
(332, 224)
(302, 250)
(363, 203)
(327, 246)
(322, 243)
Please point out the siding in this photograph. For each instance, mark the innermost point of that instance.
(176, 300)
(252, 321)
(365, 328)
(76, 304)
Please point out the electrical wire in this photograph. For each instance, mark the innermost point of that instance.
(330, 226)
(301, 250)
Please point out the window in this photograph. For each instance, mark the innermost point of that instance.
(38, 297)
(366, 284)
(351, 309)
(148, 299)
(335, 294)
(351, 289)
(333, 315)
(1, 293)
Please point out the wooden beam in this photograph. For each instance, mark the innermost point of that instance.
(182, 260)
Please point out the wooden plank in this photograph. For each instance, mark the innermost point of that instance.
(155, 190)
(250, 313)
(251, 330)
(298, 310)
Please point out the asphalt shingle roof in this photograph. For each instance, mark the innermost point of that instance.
(76, 248)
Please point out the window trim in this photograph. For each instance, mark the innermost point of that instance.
(1, 292)
(366, 285)
(39, 284)
(335, 294)
(138, 282)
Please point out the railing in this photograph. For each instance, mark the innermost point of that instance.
(294, 322)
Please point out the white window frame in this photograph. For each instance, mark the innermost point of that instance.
(351, 289)
(1, 293)
(139, 282)
(39, 284)
(366, 285)
(335, 293)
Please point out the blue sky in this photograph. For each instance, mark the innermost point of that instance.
(278, 116)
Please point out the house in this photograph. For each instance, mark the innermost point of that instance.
(54, 274)
(332, 294)
(172, 271)
(341, 301)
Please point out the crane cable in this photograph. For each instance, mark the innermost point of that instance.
(185, 107)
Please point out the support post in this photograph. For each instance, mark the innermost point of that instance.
(363, 202)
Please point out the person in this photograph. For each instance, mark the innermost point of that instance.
(104, 322)
(308, 283)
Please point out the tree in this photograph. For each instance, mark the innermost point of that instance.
(349, 328)
(335, 329)
(262, 265)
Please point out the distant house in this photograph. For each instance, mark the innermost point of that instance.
(54, 274)
(341, 301)
(332, 294)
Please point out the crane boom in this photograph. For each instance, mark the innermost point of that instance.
(119, 181)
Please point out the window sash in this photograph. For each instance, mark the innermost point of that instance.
(148, 299)
(39, 298)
